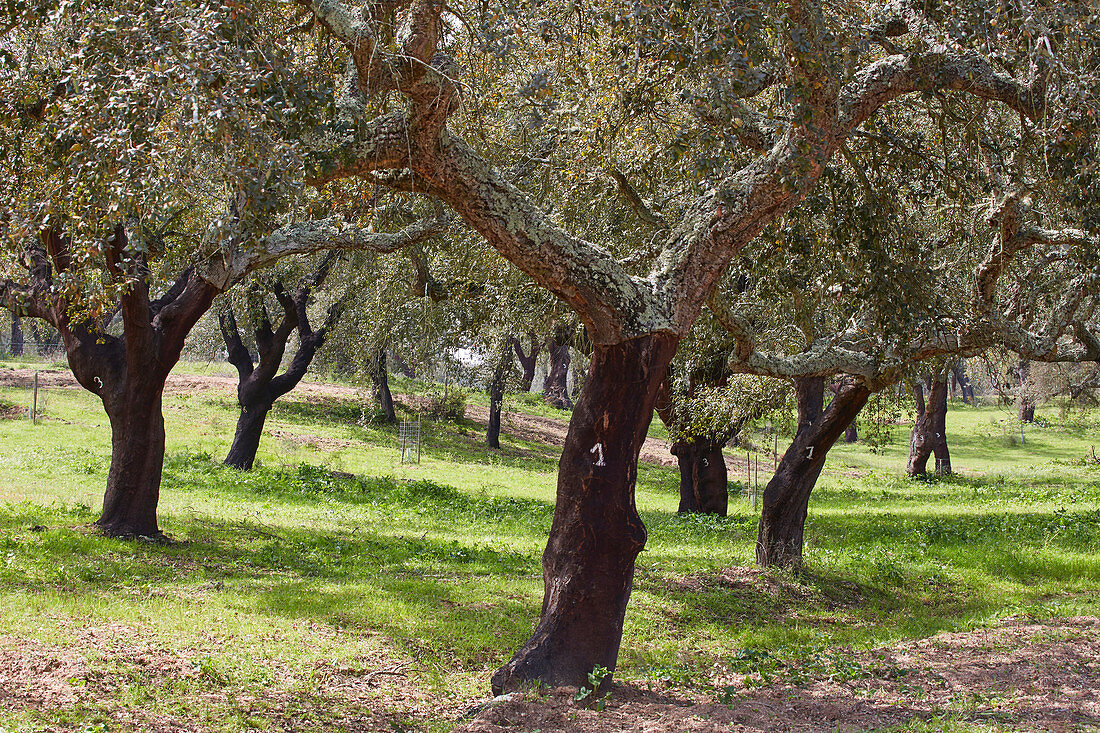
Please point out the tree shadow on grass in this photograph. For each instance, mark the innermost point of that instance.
(458, 598)
(311, 485)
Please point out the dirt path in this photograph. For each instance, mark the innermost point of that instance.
(1019, 676)
(1022, 675)
(535, 428)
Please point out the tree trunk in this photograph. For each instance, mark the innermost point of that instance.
(588, 565)
(380, 379)
(1025, 411)
(786, 498)
(403, 367)
(966, 389)
(137, 458)
(929, 435)
(851, 433)
(556, 388)
(16, 335)
(246, 441)
(527, 361)
(496, 397)
(703, 478)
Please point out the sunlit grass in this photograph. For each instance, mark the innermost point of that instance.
(298, 566)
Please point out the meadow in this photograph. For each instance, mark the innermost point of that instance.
(334, 584)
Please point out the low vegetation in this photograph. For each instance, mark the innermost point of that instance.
(334, 584)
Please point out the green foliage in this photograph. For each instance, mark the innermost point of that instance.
(714, 411)
(447, 404)
(588, 694)
(877, 419)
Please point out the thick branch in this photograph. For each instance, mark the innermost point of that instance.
(315, 236)
(937, 69)
(237, 352)
(640, 208)
(613, 305)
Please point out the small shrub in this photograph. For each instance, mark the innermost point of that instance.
(449, 404)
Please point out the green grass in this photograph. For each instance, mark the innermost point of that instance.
(284, 574)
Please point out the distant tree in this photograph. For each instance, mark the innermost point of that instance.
(929, 434)
(558, 348)
(16, 344)
(260, 384)
(497, 383)
(528, 359)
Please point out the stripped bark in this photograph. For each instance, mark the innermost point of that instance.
(786, 498)
(527, 361)
(259, 384)
(588, 565)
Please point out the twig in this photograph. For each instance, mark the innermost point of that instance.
(397, 670)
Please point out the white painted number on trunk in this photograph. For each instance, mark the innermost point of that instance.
(598, 450)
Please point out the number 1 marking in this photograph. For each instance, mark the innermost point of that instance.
(598, 450)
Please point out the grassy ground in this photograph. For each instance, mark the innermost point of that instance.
(296, 572)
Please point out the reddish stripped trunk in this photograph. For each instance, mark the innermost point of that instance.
(786, 498)
(137, 459)
(246, 439)
(588, 565)
(703, 477)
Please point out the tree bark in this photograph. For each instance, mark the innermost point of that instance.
(786, 498)
(16, 335)
(703, 477)
(588, 565)
(246, 439)
(1025, 409)
(929, 435)
(137, 458)
(527, 361)
(851, 433)
(556, 389)
(380, 380)
(496, 396)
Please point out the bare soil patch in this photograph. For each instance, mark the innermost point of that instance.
(1023, 675)
(103, 665)
(46, 378)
